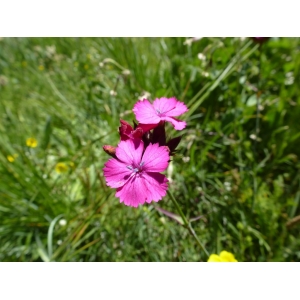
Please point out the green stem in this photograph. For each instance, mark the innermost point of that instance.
(186, 222)
(258, 93)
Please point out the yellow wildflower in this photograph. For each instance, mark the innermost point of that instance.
(41, 68)
(223, 257)
(61, 168)
(31, 142)
(11, 158)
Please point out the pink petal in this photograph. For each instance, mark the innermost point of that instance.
(155, 158)
(116, 173)
(177, 124)
(130, 151)
(157, 186)
(170, 107)
(179, 109)
(145, 188)
(145, 112)
(133, 192)
(164, 104)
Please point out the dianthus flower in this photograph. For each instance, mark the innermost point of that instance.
(135, 172)
(223, 257)
(162, 109)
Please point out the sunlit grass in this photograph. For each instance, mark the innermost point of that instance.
(61, 100)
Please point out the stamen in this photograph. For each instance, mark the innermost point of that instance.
(142, 163)
(129, 167)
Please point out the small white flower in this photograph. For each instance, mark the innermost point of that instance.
(126, 72)
(191, 40)
(163, 220)
(62, 222)
(113, 93)
(145, 95)
(205, 74)
(186, 159)
(289, 80)
(50, 50)
(253, 137)
(201, 56)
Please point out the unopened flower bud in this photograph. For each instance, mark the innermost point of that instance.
(110, 150)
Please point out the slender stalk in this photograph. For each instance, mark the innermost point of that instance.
(258, 98)
(187, 223)
(258, 93)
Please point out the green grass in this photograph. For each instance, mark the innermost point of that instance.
(237, 165)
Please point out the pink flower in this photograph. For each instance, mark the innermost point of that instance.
(136, 174)
(162, 109)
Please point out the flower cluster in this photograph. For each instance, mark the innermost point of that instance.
(143, 152)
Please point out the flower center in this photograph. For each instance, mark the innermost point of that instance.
(160, 113)
(136, 169)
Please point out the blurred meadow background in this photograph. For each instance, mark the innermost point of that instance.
(237, 165)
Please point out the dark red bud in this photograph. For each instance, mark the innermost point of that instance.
(138, 133)
(127, 132)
